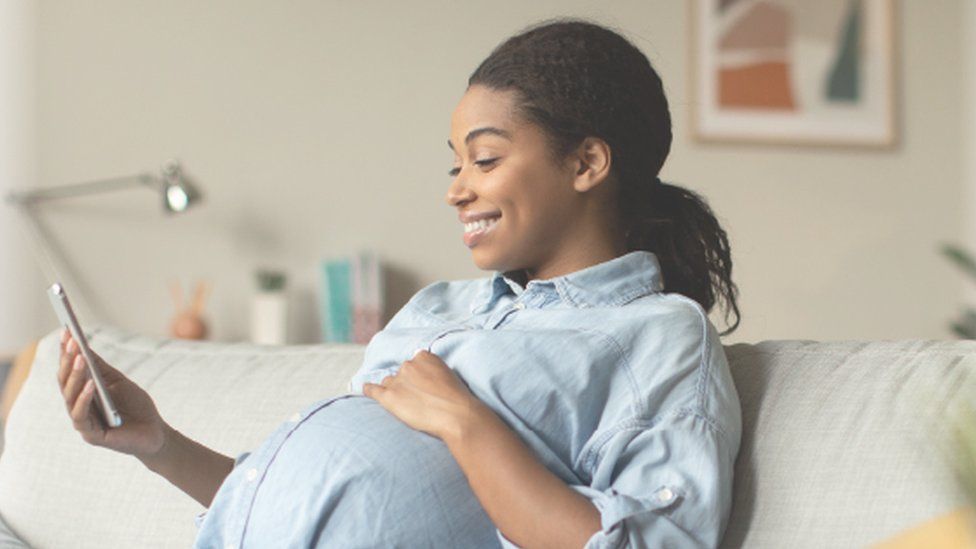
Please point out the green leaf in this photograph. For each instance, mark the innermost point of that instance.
(961, 258)
(270, 280)
(969, 318)
(963, 332)
(962, 429)
(965, 325)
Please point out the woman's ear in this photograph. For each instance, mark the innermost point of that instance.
(592, 161)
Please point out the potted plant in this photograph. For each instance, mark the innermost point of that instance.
(965, 325)
(269, 308)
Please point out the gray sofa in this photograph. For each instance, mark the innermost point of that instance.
(839, 438)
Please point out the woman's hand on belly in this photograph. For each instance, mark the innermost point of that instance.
(427, 396)
(515, 489)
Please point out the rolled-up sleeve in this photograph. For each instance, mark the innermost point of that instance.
(664, 483)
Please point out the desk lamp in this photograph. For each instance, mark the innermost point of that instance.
(177, 192)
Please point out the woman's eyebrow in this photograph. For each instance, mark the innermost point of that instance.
(481, 131)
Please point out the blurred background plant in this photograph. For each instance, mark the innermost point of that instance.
(270, 280)
(965, 325)
(962, 445)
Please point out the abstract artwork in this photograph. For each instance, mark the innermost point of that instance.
(793, 71)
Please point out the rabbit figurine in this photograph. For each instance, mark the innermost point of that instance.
(188, 322)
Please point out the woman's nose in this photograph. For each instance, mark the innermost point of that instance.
(458, 193)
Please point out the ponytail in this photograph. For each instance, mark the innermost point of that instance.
(678, 226)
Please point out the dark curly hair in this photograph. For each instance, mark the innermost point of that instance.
(576, 79)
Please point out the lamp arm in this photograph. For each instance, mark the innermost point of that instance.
(79, 189)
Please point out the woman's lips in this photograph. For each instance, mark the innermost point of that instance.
(471, 239)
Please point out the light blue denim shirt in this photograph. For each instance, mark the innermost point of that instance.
(621, 390)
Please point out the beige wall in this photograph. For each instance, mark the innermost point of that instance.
(969, 132)
(317, 128)
(17, 276)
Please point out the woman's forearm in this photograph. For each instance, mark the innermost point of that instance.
(190, 466)
(530, 505)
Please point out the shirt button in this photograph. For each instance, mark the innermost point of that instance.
(665, 495)
(520, 305)
(229, 546)
(251, 474)
(296, 417)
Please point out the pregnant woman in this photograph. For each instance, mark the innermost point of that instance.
(578, 396)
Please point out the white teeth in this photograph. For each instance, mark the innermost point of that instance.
(479, 225)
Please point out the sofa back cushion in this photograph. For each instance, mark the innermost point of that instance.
(57, 491)
(837, 450)
(840, 439)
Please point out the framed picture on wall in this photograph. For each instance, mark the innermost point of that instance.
(793, 72)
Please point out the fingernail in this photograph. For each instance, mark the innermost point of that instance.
(417, 352)
(79, 363)
(89, 385)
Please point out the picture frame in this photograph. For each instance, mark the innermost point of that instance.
(793, 72)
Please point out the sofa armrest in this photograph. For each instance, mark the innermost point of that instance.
(16, 378)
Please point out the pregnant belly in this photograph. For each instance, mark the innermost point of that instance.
(353, 475)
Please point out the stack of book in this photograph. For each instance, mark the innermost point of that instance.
(352, 298)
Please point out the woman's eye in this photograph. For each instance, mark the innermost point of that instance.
(481, 163)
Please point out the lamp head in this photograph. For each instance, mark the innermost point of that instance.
(179, 193)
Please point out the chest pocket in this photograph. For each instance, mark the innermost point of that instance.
(394, 345)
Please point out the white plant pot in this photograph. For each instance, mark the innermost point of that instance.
(269, 314)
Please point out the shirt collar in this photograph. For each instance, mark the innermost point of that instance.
(611, 283)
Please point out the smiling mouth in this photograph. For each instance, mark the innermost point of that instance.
(480, 226)
(476, 231)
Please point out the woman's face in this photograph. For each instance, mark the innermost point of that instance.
(503, 170)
